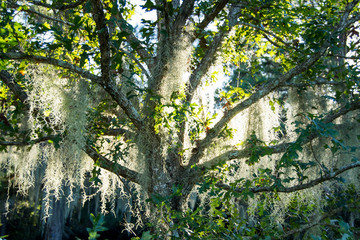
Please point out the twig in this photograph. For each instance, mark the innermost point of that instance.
(28, 10)
(28, 142)
(59, 6)
(310, 184)
(137, 62)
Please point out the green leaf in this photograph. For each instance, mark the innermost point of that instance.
(146, 236)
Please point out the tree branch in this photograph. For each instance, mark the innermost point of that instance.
(344, 20)
(111, 166)
(185, 11)
(130, 55)
(103, 35)
(354, 19)
(199, 72)
(14, 87)
(269, 150)
(51, 61)
(91, 152)
(115, 132)
(266, 32)
(134, 41)
(28, 10)
(310, 184)
(318, 221)
(59, 6)
(125, 104)
(28, 142)
(344, 57)
(107, 83)
(204, 65)
(262, 92)
(317, 82)
(211, 16)
(209, 57)
(99, 159)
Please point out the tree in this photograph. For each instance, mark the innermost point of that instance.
(78, 78)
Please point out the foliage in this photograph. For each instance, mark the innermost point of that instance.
(251, 105)
(4, 236)
(224, 216)
(97, 226)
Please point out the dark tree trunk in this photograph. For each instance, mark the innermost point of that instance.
(55, 223)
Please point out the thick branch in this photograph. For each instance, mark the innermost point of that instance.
(209, 57)
(103, 34)
(354, 19)
(209, 17)
(310, 184)
(185, 11)
(51, 61)
(200, 71)
(204, 65)
(106, 82)
(344, 20)
(262, 92)
(99, 159)
(124, 103)
(111, 166)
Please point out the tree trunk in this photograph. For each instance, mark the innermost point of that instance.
(165, 183)
(55, 223)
